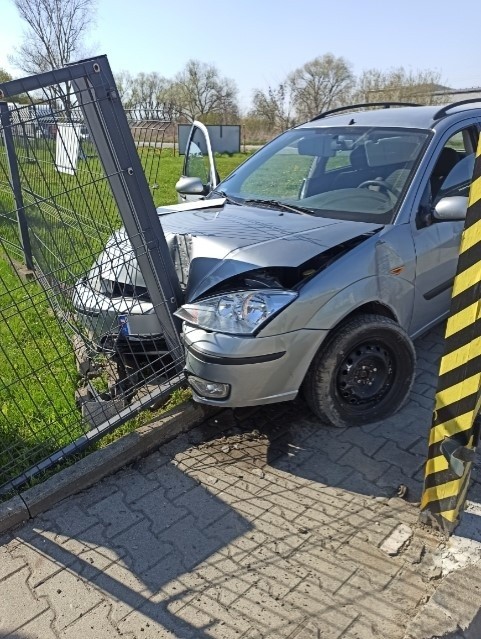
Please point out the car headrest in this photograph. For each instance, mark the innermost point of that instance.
(358, 157)
(446, 161)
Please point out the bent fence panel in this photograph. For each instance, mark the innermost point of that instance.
(87, 281)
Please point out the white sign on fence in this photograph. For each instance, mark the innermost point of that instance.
(67, 147)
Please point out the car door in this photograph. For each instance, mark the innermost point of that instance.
(437, 242)
(199, 173)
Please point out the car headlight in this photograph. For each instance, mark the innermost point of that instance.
(239, 313)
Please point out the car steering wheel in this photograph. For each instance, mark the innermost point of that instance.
(384, 185)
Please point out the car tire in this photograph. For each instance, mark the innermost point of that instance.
(363, 373)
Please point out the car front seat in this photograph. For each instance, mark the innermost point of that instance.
(446, 161)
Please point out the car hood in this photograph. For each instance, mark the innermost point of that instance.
(211, 241)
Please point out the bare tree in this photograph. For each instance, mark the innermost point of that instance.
(199, 89)
(399, 85)
(150, 93)
(54, 34)
(125, 83)
(54, 37)
(320, 84)
(273, 106)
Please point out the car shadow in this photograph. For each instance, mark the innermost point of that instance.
(384, 459)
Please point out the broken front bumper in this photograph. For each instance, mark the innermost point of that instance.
(101, 314)
(125, 327)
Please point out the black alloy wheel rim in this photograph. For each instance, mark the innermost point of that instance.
(365, 376)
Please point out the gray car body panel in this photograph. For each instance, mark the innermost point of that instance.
(252, 383)
(232, 240)
(397, 266)
(211, 245)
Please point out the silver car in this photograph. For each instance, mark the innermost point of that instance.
(312, 266)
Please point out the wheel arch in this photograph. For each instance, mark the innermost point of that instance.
(393, 298)
(373, 307)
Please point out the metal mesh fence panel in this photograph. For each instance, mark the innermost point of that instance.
(87, 283)
(148, 130)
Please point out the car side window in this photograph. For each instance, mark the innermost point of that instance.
(457, 142)
(197, 162)
(454, 168)
(458, 180)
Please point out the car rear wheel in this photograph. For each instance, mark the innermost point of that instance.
(363, 374)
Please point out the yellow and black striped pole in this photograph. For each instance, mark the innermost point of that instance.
(453, 435)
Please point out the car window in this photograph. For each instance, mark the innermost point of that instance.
(457, 142)
(458, 180)
(355, 173)
(453, 171)
(197, 160)
(342, 159)
(281, 176)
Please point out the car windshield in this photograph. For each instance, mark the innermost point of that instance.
(351, 173)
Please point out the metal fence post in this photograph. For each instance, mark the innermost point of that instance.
(6, 121)
(454, 434)
(132, 194)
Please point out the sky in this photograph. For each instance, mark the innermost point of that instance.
(258, 42)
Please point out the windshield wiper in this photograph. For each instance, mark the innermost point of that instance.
(228, 199)
(276, 204)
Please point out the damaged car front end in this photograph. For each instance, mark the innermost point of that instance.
(298, 270)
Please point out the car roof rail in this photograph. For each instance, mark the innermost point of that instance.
(351, 107)
(443, 112)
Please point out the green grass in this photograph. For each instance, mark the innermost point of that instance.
(38, 376)
(279, 177)
(164, 169)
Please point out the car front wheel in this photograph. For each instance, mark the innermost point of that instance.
(363, 374)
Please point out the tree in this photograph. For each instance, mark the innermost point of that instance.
(55, 33)
(398, 85)
(124, 82)
(149, 93)
(273, 106)
(320, 84)
(53, 38)
(200, 90)
(5, 76)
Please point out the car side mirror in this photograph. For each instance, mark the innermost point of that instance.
(191, 186)
(451, 208)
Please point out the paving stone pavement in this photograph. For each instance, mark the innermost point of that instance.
(259, 524)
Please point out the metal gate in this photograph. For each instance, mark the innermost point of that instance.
(87, 283)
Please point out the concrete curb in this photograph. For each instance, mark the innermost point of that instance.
(101, 463)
